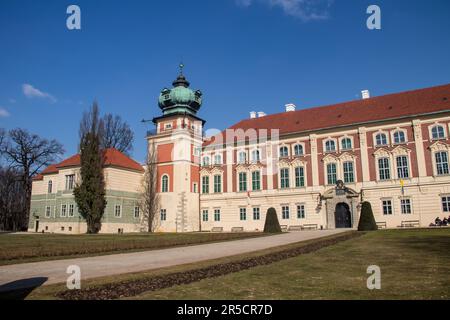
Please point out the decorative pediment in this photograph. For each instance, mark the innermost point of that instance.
(298, 162)
(400, 150)
(216, 170)
(330, 158)
(439, 146)
(381, 152)
(284, 163)
(255, 167)
(241, 167)
(205, 170)
(347, 157)
(339, 191)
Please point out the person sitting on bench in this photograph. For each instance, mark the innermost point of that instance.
(445, 222)
(437, 221)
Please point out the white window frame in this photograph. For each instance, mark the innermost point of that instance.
(163, 215)
(285, 169)
(218, 157)
(258, 158)
(48, 211)
(284, 147)
(342, 143)
(120, 211)
(330, 140)
(403, 206)
(205, 215)
(217, 214)
(206, 161)
(375, 135)
(242, 214)
(71, 211)
(405, 135)
(391, 207)
(162, 183)
(301, 211)
(285, 209)
(63, 213)
(302, 146)
(256, 213)
(444, 129)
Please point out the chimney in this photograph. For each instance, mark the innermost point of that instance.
(365, 94)
(253, 115)
(290, 107)
(261, 114)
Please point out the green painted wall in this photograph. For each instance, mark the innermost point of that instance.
(39, 203)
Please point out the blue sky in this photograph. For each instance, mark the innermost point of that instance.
(243, 54)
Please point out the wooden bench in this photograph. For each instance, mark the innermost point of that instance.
(295, 228)
(381, 225)
(410, 224)
(284, 228)
(237, 229)
(310, 227)
(217, 229)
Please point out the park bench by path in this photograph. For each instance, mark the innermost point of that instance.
(237, 229)
(382, 225)
(217, 229)
(295, 228)
(310, 227)
(410, 224)
(284, 228)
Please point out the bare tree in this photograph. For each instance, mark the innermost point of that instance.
(117, 134)
(28, 154)
(150, 196)
(12, 200)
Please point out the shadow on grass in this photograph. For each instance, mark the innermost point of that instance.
(20, 289)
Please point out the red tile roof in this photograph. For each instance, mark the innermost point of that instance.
(392, 106)
(113, 157)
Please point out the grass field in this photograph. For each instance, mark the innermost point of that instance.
(20, 248)
(415, 264)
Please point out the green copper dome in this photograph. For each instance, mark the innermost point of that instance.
(180, 99)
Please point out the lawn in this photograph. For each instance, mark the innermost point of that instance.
(20, 248)
(415, 264)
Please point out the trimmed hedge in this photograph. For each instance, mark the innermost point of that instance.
(272, 225)
(367, 220)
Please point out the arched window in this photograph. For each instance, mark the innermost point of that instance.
(381, 139)
(217, 159)
(284, 152)
(206, 161)
(298, 150)
(330, 146)
(437, 132)
(346, 144)
(165, 183)
(242, 157)
(399, 137)
(50, 186)
(255, 156)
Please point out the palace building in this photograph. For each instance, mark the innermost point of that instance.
(315, 166)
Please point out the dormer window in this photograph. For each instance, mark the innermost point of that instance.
(284, 152)
(330, 146)
(346, 144)
(399, 137)
(298, 150)
(438, 132)
(381, 139)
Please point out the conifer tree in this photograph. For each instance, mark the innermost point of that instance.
(90, 190)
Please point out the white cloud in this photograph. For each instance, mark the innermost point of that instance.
(306, 10)
(3, 113)
(31, 92)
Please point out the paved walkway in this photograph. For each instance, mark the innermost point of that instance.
(50, 272)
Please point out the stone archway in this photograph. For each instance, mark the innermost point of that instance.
(346, 201)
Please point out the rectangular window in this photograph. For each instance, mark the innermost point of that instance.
(301, 211)
(163, 214)
(216, 214)
(285, 212)
(243, 214)
(205, 184)
(194, 188)
(118, 211)
(256, 213)
(349, 175)
(256, 180)
(331, 173)
(242, 181)
(402, 167)
(71, 210)
(405, 204)
(63, 210)
(70, 179)
(205, 215)
(383, 169)
(217, 184)
(387, 207)
(446, 204)
(299, 177)
(441, 163)
(284, 178)
(137, 212)
(47, 212)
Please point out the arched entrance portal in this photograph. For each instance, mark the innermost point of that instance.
(343, 216)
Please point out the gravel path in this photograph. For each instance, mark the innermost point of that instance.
(49, 272)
